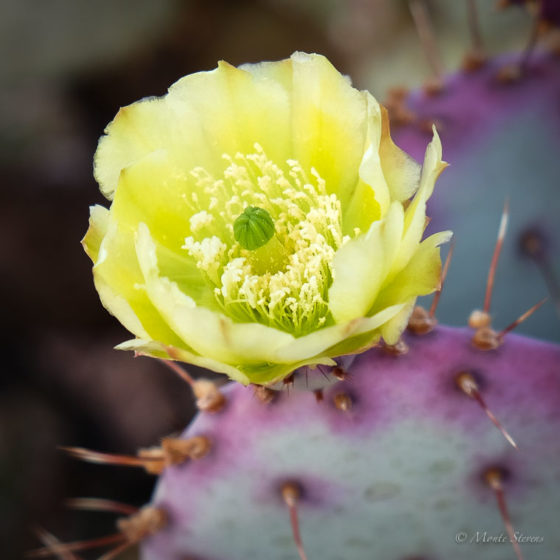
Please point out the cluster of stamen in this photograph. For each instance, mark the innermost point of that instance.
(283, 284)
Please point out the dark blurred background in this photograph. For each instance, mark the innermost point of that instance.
(66, 68)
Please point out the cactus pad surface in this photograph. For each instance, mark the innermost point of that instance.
(501, 138)
(400, 474)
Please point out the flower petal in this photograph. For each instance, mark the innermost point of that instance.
(153, 191)
(268, 374)
(160, 350)
(401, 172)
(366, 334)
(391, 331)
(204, 116)
(328, 118)
(415, 215)
(232, 104)
(99, 225)
(328, 341)
(99, 219)
(264, 373)
(196, 123)
(117, 276)
(360, 266)
(420, 277)
(132, 134)
(371, 170)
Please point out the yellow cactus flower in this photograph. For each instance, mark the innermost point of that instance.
(261, 220)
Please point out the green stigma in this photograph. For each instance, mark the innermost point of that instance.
(253, 228)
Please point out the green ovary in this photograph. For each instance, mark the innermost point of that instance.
(284, 283)
(253, 228)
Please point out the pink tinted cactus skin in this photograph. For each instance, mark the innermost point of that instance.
(502, 139)
(473, 103)
(396, 476)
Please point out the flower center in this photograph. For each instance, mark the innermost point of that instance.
(279, 276)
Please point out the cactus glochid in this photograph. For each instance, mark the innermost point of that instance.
(264, 225)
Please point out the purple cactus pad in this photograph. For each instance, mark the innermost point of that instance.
(399, 475)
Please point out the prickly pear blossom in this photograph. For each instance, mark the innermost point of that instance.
(261, 220)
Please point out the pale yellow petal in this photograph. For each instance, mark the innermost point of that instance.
(328, 118)
(402, 173)
(371, 197)
(317, 342)
(391, 331)
(155, 192)
(118, 279)
(420, 277)
(366, 332)
(361, 210)
(357, 270)
(135, 131)
(160, 350)
(268, 374)
(194, 123)
(415, 215)
(375, 320)
(355, 344)
(360, 266)
(264, 373)
(99, 241)
(152, 191)
(320, 344)
(238, 107)
(371, 170)
(119, 306)
(204, 116)
(99, 219)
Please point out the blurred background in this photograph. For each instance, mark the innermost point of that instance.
(66, 68)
